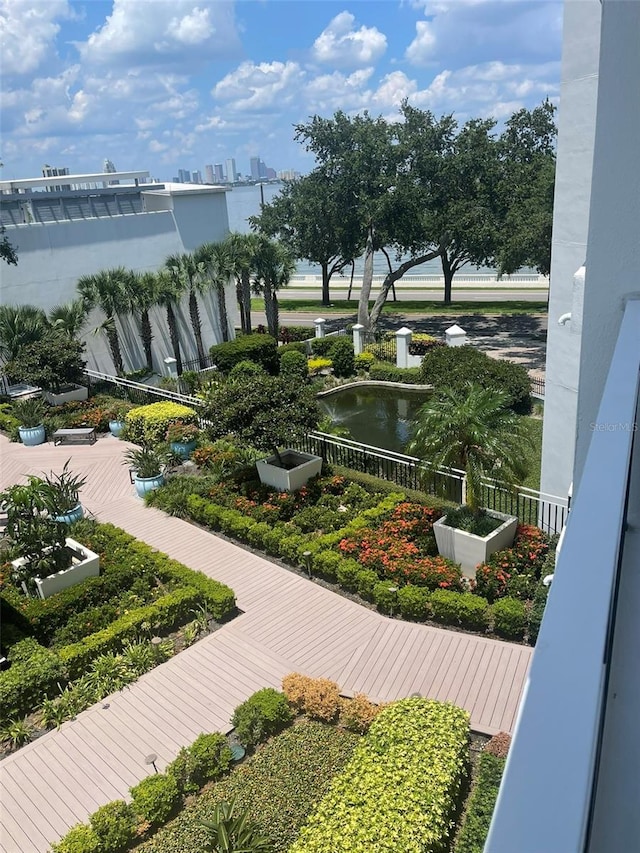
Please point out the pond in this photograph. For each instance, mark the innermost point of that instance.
(378, 416)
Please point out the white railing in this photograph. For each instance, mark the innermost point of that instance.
(138, 387)
(547, 793)
(309, 279)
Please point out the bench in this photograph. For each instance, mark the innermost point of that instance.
(82, 434)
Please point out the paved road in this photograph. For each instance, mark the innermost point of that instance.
(460, 294)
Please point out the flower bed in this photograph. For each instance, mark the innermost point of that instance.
(138, 588)
(401, 789)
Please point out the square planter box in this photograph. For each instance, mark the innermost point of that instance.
(300, 468)
(72, 392)
(86, 564)
(468, 549)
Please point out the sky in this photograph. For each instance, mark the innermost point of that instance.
(169, 84)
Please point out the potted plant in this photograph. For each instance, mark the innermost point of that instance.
(63, 495)
(147, 465)
(117, 414)
(182, 438)
(42, 556)
(30, 413)
(479, 435)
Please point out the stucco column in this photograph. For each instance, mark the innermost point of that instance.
(403, 339)
(358, 338)
(170, 366)
(319, 323)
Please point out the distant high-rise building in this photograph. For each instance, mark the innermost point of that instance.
(271, 173)
(254, 164)
(231, 170)
(262, 169)
(288, 175)
(218, 173)
(196, 177)
(184, 176)
(108, 166)
(208, 175)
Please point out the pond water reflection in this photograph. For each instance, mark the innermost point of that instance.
(378, 416)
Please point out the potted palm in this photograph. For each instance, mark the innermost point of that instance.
(147, 464)
(63, 497)
(42, 556)
(481, 436)
(182, 438)
(30, 413)
(117, 415)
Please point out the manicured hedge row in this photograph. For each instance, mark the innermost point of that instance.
(263, 349)
(30, 679)
(476, 821)
(401, 789)
(384, 372)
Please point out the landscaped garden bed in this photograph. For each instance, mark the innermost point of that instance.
(85, 642)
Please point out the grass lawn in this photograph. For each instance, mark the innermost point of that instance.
(533, 451)
(409, 307)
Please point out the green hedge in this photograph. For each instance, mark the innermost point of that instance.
(509, 618)
(155, 798)
(147, 425)
(28, 681)
(262, 349)
(477, 819)
(383, 372)
(401, 789)
(463, 609)
(264, 714)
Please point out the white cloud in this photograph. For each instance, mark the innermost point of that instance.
(141, 32)
(393, 89)
(421, 48)
(28, 31)
(260, 87)
(329, 92)
(342, 45)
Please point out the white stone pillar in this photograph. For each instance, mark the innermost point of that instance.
(403, 339)
(170, 366)
(319, 323)
(358, 338)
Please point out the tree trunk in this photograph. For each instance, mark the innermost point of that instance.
(114, 345)
(175, 338)
(389, 282)
(194, 314)
(246, 298)
(325, 284)
(448, 272)
(222, 311)
(271, 310)
(367, 279)
(240, 302)
(147, 337)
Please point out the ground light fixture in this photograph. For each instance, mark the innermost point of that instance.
(151, 759)
(394, 592)
(307, 561)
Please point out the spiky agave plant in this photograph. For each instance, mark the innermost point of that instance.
(232, 831)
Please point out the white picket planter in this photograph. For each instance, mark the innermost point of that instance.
(470, 550)
(86, 564)
(289, 479)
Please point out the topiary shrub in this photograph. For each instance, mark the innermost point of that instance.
(246, 368)
(262, 349)
(509, 618)
(385, 596)
(206, 760)
(155, 798)
(80, 839)
(413, 602)
(463, 609)
(347, 574)
(364, 360)
(342, 356)
(147, 425)
(357, 714)
(115, 826)
(293, 366)
(264, 714)
(321, 346)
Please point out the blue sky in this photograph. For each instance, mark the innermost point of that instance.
(168, 84)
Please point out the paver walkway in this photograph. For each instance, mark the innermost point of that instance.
(289, 624)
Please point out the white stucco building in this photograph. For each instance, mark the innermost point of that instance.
(61, 235)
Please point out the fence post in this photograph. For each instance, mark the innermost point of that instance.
(358, 338)
(403, 339)
(170, 364)
(319, 323)
(463, 491)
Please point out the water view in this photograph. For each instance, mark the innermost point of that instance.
(378, 416)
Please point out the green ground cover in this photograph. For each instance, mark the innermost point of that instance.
(409, 307)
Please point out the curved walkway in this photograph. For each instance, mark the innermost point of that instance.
(288, 624)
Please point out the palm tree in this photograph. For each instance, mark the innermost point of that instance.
(218, 265)
(274, 267)
(476, 433)
(70, 317)
(188, 273)
(169, 294)
(142, 293)
(243, 249)
(20, 325)
(106, 290)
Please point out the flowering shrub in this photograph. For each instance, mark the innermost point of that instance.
(181, 432)
(500, 575)
(316, 365)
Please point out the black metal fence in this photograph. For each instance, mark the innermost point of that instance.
(195, 364)
(383, 348)
(537, 386)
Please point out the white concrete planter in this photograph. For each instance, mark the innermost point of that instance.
(468, 549)
(86, 564)
(75, 392)
(306, 466)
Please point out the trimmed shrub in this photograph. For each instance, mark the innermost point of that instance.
(475, 823)
(80, 839)
(155, 798)
(422, 343)
(509, 618)
(147, 425)
(319, 698)
(367, 582)
(262, 715)
(537, 612)
(206, 760)
(262, 349)
(341, 354)
(293, 366)
(326, 563)
(413, 602)
(115, 826)
(385, 599)
(321, 346)
(499, 745)
(389, 797)
(383, 372)
(347, 574)
(357, 714)
(460, 608)
(364, 360)
(246, 368)
(316, 365)
(293, 346)
(32, 677)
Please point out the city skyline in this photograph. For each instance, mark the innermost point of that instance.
(203, 82)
